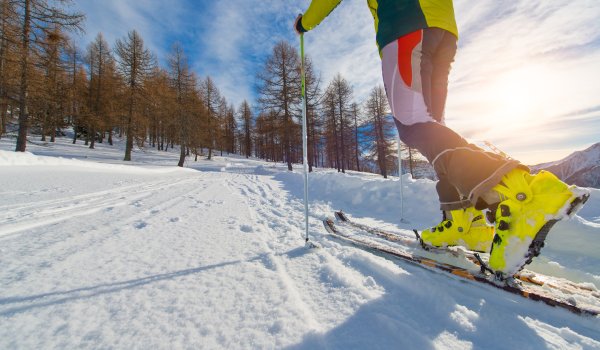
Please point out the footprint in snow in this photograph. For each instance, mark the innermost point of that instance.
(246, 228)
(140, 225)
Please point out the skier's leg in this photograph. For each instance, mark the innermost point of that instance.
(449, 197)
(442, 59)
(527, 204)
(437, 54)
(468, 168)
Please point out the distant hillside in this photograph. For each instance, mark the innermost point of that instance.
(581, 168)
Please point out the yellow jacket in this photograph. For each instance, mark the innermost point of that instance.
(393, 18)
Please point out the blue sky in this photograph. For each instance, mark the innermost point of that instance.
(526, 76)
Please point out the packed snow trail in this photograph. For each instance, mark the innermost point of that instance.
(152, 256)
(137, 267)
(159, 259)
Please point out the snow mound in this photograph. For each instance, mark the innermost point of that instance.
(29, 159)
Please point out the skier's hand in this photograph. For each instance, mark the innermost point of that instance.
(298, 25)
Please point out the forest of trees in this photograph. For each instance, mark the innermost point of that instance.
(49, 85)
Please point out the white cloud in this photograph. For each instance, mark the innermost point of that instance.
(239, 33)
(520, 66)
(115, 18)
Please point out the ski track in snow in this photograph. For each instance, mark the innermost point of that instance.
(44, 235)
(284, 221)
(147, 258)
(19, 218)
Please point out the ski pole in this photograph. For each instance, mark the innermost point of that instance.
(401, 184)
(304, 134)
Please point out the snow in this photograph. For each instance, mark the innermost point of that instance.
(100, 253)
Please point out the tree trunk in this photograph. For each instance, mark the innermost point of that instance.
(23, 117)
(93, 137)
(181, 157)
(74, 131)
(3, 117)
(44, 122)
(129, 141)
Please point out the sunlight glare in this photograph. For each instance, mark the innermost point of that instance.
(520, 97)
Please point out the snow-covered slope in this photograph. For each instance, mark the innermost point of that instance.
(97, 253)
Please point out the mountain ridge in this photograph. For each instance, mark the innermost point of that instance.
(581, 168)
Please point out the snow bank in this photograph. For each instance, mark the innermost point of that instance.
(8, 158)
(370, 196)
(571, 249)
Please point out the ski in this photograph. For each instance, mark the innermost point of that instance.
(393, 237)
(512, 286)
(524, 275)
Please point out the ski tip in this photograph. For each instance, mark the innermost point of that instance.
(341, 216)
(578, 203)
(328, 223)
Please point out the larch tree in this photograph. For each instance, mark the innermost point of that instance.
(381, 129)
(101, 69)
(355, 113)
(279, 90)
(79, 98)
(35, 17)
(135, 64)
(220, 129)
(8, 61)
(161, 109)
(312, 85)
(53, 89)
(338, 102)
(183, 84)
(74, 88)
(332, 149)
(246, 117)
(261, 136)
(212, 99)
(197, 122)
(230, 130)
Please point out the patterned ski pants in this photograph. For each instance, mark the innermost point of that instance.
(415, 71)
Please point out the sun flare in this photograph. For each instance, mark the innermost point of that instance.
(521, 97)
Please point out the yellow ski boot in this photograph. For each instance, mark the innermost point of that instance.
(464, 227)
(530, 205)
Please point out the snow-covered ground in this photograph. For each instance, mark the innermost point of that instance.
(99, 253)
